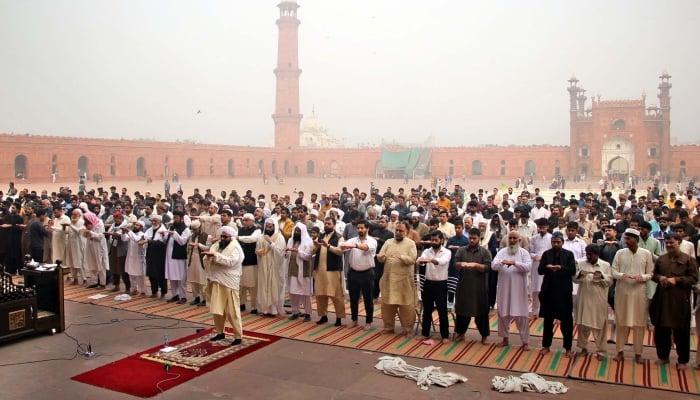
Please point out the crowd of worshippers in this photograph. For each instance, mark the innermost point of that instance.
(577, 260)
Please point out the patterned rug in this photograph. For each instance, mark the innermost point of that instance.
(143, 374)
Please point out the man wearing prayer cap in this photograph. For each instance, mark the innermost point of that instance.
(196, 274)
(632, 267)
(248, 236)
(223, 262)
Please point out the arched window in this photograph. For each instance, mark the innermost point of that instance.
(82, 165)
(584, 151)
(530, 168)
(476, 167)
(190, 167)
(230, 167)
(619, 124)
(310, 167)
(261, 167)
(21, 166)
(274, 167)
(141, 167)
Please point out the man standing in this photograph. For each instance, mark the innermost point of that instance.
(513, 263)
(632, 267)
(328, 272)
(397, 283)
(299, 266)
(361, 250)
(154, 238)
(381, 234)
(676, 273)
(557, 266)
(224, 264)
(248, 236)
(539, 243)
(270, 252)
(594, 279)
(37, 232)
(196, 275)
(58, 241)
(117, 252)
(176, 258)
(135, 264)
(434, 295)
(473, 263)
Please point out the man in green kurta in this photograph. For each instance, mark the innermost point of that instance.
(397, 285)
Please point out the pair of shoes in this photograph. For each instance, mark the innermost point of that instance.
(195, 301)
(202, 303)
(93, 286)
(174, 299)
(182, 301)
(218, 336)
(236, 342)
(307, 318)
(294, 316)
(242, 307)
(323, 320)
(254, 311)
(154, 295)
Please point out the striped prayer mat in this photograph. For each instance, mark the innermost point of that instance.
(511, 358)
(647, 374)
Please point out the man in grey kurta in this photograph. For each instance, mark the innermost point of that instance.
(473, 263)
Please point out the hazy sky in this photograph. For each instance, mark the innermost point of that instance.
(467, 72)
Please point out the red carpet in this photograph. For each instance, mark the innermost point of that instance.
(145, 378)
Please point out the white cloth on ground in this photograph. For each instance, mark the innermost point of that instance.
(424, 377)
(528, 382)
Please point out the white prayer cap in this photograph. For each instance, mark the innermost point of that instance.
(195, 224)
(394, 212)
(168, 204)
(228, 230)
(249, 216)
(213, 204)
(84, 207)
(335, 210)
(632, 232)
(415, 214)
(156, 217)
(314, 212)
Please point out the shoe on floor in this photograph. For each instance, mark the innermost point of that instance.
(218, 336)
(202, 303)
(195, 301)
(115, 289)
(307, 318)
(182, 301)
(236, 342)
(174, 299)
(294, 316)
(93, 286)
(338, 322)
(323, 320)
(242, 307)
(101, 287)
(154, 295)
(254, 311)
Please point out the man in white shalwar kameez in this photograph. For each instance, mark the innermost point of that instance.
(298, 263)
(513, 264)
(135, 264)
(539, 243)
(223, 262)
(632, 268)
(58, 225)
(176, 258)
(96, 260)
(270, 252)
(75, 246)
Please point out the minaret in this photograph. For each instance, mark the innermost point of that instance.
(665, 129)
(287, 117)
(574, 140)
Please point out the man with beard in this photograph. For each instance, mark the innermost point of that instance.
(473, 263)
(176, 258)
(135, 263)
(270, 252)
(58, 224)
(211, 222)
(75, 245)
(117, 252)
(539, 243)
(381, 234)
(513, 264)
(420, 227)
(196, 275)
(361, 250)
(436, 259)
(676, 273)
(328, 273)
(224, 264)
(557, 267)
(397, 283)
(248, 237)
(632, 267)
(594, 279)
(299, 266)
(37, 232)
(453, 244)
(155, 256)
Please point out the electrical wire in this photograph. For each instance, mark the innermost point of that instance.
(176, 376)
